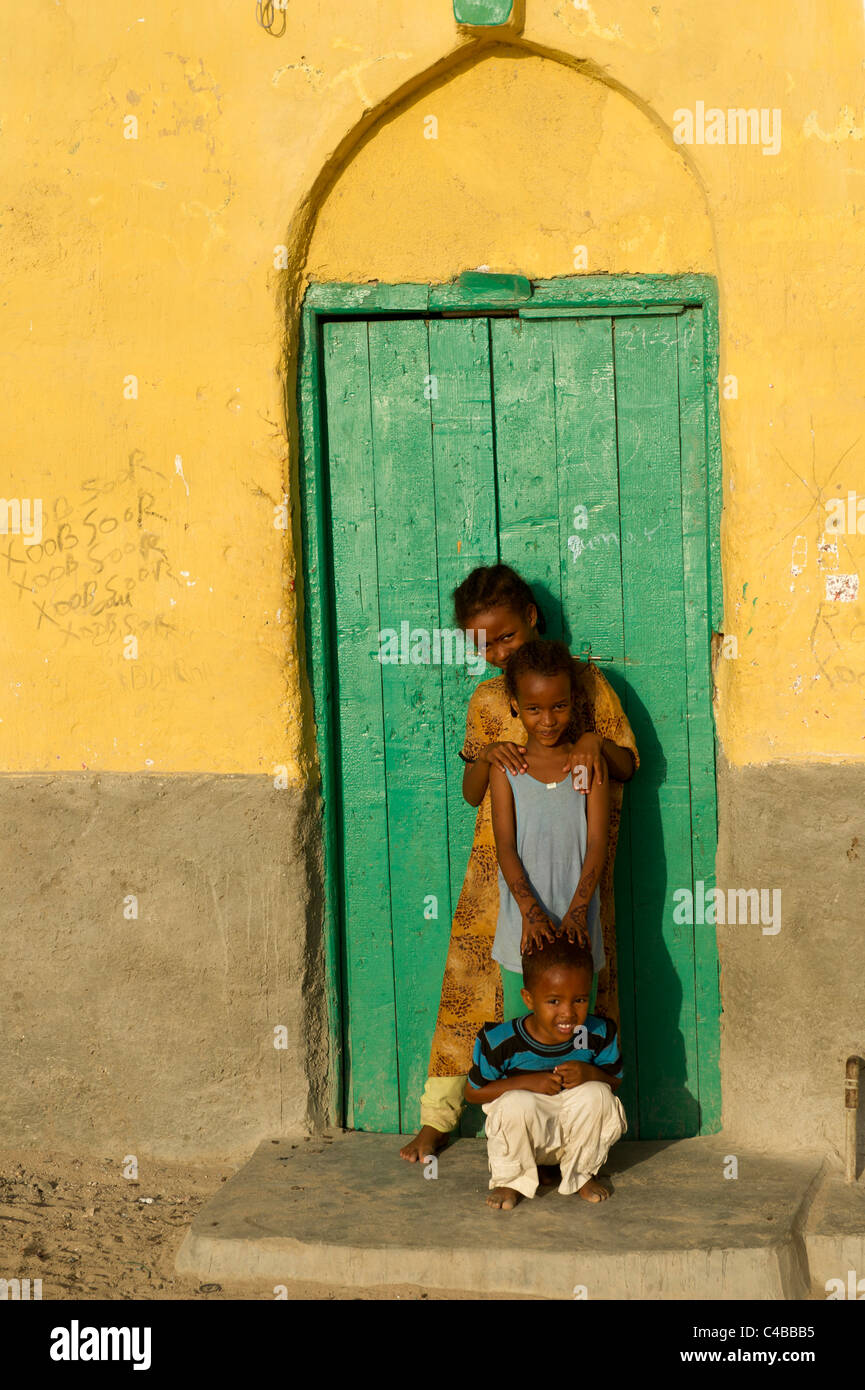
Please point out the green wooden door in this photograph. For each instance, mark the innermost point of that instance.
(573, 448)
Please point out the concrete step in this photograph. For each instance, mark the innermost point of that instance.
(835, 1238)
(346, 1209)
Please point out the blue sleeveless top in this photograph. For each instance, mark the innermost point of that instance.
(551, 842)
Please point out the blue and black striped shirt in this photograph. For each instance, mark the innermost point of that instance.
(508, 1049)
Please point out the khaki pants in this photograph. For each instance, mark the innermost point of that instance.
(575, 1129)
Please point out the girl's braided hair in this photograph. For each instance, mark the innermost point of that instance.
(539, 658)
(493, 586)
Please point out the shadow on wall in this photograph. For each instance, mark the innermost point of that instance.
(662, 1105)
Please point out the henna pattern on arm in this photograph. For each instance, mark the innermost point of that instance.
(528, 904)
(521, 890)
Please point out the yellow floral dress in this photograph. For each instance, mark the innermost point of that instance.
(472, 989)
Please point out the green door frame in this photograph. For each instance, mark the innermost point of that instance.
(483, 294)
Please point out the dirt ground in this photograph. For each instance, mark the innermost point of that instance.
(89, 1233)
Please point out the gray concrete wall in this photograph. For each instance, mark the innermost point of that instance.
(793, 1003)
(155, 1037)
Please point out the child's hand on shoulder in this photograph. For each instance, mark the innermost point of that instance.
(508, 757)
(586, 762)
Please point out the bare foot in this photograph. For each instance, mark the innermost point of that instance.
(549, 1174)
(503, 1198)
(427, 1141)
(592, 1191)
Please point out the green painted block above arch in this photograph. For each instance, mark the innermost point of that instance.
(486, 13)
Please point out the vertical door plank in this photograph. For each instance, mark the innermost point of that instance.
(466, 536)
(525, 428)
(626, 965)
(467, 528)
(590, 559)
(372, 1097)
(411, 692)
(701, 735)
(591, 565)
(646, 361)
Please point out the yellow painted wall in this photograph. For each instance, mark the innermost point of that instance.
(155, 257)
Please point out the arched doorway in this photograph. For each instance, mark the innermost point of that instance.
(609, 383)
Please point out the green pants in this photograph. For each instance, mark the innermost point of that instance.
(513, 1006)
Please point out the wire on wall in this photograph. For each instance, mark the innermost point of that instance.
(266, 12)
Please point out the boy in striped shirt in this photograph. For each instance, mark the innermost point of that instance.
(547, 1082)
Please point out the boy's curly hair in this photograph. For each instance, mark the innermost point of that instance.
(493, 586)
(556, 953)
(539, 658)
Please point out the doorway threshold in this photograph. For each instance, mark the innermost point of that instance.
(344, 1208)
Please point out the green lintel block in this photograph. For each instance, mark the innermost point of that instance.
(507, 288)
(481, 12)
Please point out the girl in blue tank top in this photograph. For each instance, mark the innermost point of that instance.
(551, 838)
